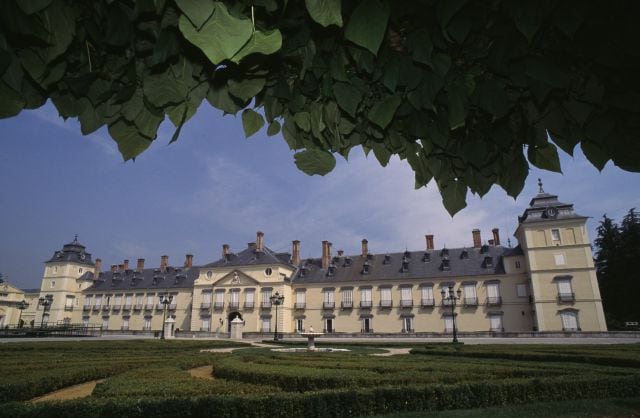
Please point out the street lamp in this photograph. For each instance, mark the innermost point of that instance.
(165, 300)
(22, 305)
(277, 300)
(46, 303)
(452, 299)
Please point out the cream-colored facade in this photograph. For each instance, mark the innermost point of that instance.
(546, 283)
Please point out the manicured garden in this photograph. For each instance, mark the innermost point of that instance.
(151, 378)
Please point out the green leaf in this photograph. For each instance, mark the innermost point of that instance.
(595, 154)
(368, 24)
(274, 128)
(382, 153)
(348, 97)
(221, 37)
(382, 112)
(528, 17)
(246, 89)
(447, 9)
(11, 102)
(545, 157)
(197, 11)
(265, 43)
(218, 97)
(164, 89)
(119, 29)
(166, 47)
(457, 96)
(130, 142)
(303, 120)
(454, 195)
(493, 98)
(90, 120)
(252, 122)
(513, 173)
(176, 134)
(33, 6)
(315, 161)
(441, 64)
(325, 12)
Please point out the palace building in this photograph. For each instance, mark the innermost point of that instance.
(546, 283)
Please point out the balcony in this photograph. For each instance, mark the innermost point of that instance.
(68, 308)
(365, 304)
(406, 303)
(366, 331)
(116, 307)
(446, 302)
(249, 305)
(494, 300)
(106, 307)
(234, 305)
(386, 304)
(126, 307)
(472, 301)
(148, 307)
(205, 329)
(566, 297)
(96, 307)
(173, 307)
(266, 305)
(86, 308)
(346, 305)
(137, 307)
(328, 305)
(159, 306)
(218, 306)
(300, 305)
(427, 303)
(205, 305)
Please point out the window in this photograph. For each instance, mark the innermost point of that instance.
(426, 296)
(206, 324)
(266, 298)
(493, 294)
(407, 324)
(470, 296)
(385, 297)
(555, 236)
(125, 323)
(328, 325)
(209, 274)
(367, 325)
(98, 301)
(80, 270)
(87, 302)
(300, 299)
(448, 324)
(147, 323)
(268, 271)
(569, 321)
(517, 264)
(406, 298)
(521, 290)
(206, 300)
(565, 293)
(107, 301)
(559, 259)
(219, 301)
(347, 298)
(105, 322)
(138, 301)
(249, 298)
(118, 301)
(300, 325)
(68, 303)
(150, 298)
(328, 297)
(266, 324)
(365, 298)
(495, 323)
(234, 299)
(85, 321)
(127, 301)
(53, 284)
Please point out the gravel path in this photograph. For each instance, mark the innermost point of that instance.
(72, 392)
(202, 372)
(393, 352)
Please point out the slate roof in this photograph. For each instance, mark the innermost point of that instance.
(418, 265)
(538, 206)
(133, 280)
(72, 252)
(31, 290)
(250, 256)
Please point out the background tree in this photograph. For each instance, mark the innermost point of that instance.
(618, 252)
(461, 90)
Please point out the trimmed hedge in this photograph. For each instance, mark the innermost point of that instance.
(339, 403)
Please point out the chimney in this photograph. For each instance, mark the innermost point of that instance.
(125, 264)
(114, 267)
(429, 238)
(325, 255)
(496, 236)
(295, 253)
(96, 271)
(365, 248)
(164, 263)
(188, 261)
(225, 251)
(477, 241)
(140, 265)
(340, 253)
(120, 267)
(491, 242)
(259, 241)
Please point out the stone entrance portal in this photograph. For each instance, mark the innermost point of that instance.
(231, 317)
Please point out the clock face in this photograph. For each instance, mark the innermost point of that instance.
(552, 212)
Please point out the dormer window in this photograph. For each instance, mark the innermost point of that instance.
(488, 262)
(464, 255)
(484, 249)
(336, 260)
(303, 271)
(407, 254)
(405, 265)
(445, 266)
(331, 271)
(366, 267)
(444, 253)
(426, 258)
(387, 259)
(347, 262)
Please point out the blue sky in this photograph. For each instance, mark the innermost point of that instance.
(214, 186)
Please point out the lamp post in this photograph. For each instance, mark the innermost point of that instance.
(277, 300)
(45, 302)
(452, 298)
(22, 305)
(165, 300)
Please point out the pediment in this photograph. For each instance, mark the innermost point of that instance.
(235, 278)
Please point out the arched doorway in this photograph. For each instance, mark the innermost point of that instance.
(231, 317)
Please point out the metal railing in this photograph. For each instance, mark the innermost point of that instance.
(426, 303)
(346, 305)
(471, 301)
(205, 305)
(386, 303)
(407, 303)
(494, 300)
(300, 305)
(365, 303)
(328, 305)
(566, 297)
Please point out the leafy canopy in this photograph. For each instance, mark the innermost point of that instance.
(469, 93)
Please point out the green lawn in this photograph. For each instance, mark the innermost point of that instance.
(150, 378)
